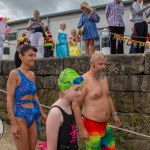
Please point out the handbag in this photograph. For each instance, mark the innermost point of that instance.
(81, 30)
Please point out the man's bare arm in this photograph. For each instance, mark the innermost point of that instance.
(113, 110)
(112, 105)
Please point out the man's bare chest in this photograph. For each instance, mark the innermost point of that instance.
(97, 89)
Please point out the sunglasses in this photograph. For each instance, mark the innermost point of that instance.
(77, 80)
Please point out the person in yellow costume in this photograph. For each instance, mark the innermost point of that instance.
(23, 40)
(74, 49)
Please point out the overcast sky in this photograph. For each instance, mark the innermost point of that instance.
(20, 9)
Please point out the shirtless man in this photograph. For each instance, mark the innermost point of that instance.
(97, 107)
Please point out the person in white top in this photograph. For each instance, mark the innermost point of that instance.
(37, 30)
(140, 13)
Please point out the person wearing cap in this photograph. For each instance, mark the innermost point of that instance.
(114, 15)
(97, 107)
(61, 125)
(88, 19)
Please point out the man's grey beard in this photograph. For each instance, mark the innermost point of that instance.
(100, 75)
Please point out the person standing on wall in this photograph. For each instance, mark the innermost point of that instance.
(74, 39)
(114, 15)
(48, 44)
(88, 20)
(62, 48)
(23, 40)
(4, 30)
(37, 30)
(140, 14)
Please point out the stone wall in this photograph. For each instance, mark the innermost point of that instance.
(129, 82)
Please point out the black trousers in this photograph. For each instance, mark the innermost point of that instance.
(48, 52)
(116, 48)
(141, 29)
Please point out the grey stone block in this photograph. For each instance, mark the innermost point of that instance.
(80, 64)
(147, 63)
(136, 121)
(47, 97)
(120, 83)
(47, 82)
(144, 83)
(3, 81)
(123, 101)
(7, 67)
(129, 83)
(125, 64)
(48, 66)
(142, 102)
(133, 144)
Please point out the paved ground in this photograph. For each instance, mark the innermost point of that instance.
(7, 143)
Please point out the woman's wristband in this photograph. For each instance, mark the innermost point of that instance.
(114, 113)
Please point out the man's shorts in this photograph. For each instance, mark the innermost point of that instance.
(100, 135)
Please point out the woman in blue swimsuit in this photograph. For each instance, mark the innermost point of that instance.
(22, 102)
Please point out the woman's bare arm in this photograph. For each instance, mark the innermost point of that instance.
(11, 86)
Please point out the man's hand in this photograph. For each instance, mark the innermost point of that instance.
(84, 134)
(117, 120)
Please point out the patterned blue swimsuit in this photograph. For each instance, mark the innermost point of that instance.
(26, 87)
